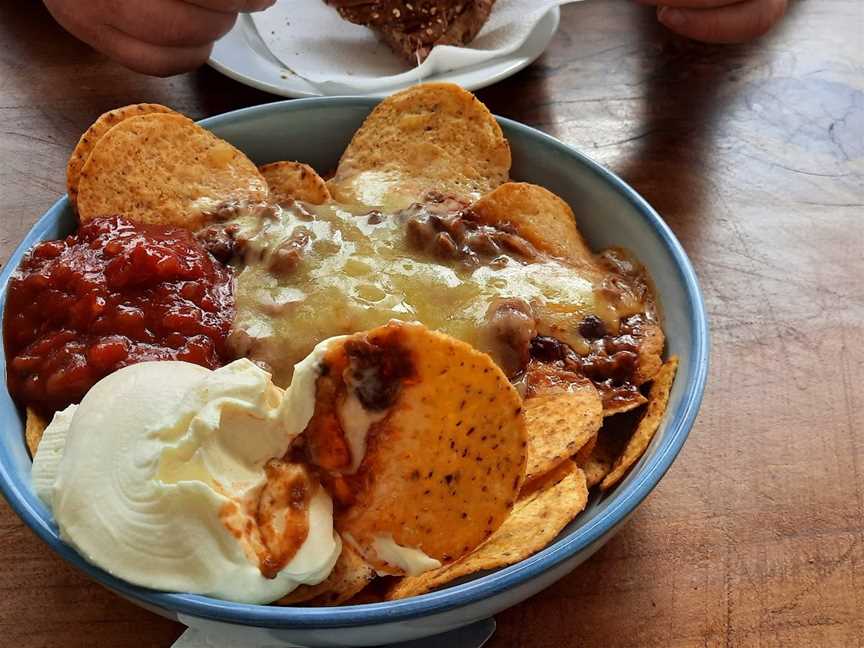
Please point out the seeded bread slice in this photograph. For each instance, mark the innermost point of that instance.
(412, 29)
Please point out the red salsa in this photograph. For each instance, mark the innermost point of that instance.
(113, 294)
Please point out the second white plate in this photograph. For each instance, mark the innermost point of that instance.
(243, 56)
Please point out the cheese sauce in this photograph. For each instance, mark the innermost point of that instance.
(307, 273)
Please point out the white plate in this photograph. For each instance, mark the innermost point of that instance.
(242, 55)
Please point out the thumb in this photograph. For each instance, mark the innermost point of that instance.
(734, 23)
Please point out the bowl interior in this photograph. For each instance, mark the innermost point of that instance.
(316, 131)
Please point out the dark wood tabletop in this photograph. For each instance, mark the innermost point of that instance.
(754, 155)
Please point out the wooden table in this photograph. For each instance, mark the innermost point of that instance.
(755, 157)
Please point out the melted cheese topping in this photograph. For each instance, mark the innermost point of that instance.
(356, 421)
(357, 272)
(411, 561)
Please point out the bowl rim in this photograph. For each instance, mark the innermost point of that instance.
(622, 502)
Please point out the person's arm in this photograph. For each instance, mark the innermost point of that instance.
(159, 37)
(719, 21)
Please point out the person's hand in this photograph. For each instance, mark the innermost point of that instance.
(719, 21)
(159, 37)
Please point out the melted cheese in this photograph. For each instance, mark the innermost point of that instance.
(356, 274)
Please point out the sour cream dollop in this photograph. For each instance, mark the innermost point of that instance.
(141, 474)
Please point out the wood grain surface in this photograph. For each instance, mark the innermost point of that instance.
(755, 157)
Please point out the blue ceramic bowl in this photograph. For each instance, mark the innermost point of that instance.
(609, 212)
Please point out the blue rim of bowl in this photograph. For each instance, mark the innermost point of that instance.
(621, 502)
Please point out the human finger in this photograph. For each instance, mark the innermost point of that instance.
(172, 23)
(147, 58)
(689, 4)
(736, 23)
(233, 6)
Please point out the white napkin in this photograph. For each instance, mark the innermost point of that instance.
(315, 43)
(227, 636)
(194, 639)
(197, 639)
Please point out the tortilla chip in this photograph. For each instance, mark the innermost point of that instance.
(596, 468)
(34, 428)
(610, 408)
(539, 216)
(350, 575)
(544, 481)
(658, 399)
(432, 137)
(294, 181)
(560, 420)
(535, 521)
(651, 343)
(610, 442)
(581, 458)
(375, 592)
(162, 168)
(366, 597)
(442, 470)
(92, 135)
